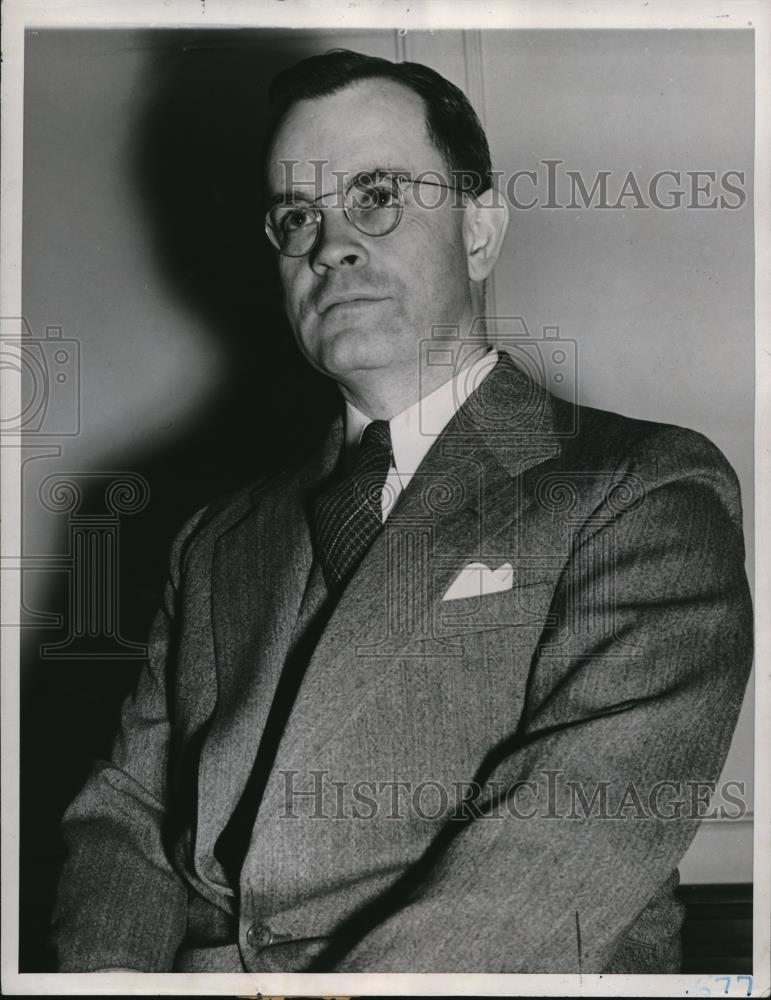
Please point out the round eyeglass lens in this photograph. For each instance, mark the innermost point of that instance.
(374, 204)
(293, 229)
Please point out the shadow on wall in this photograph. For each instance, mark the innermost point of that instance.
(197, 166)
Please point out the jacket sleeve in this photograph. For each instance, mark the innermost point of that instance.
(633, 696)
(120, 904)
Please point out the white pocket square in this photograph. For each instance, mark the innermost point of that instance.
(476, 580)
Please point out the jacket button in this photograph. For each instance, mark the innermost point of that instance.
(259, 936)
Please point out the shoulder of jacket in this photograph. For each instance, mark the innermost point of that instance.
(210, 522)
(618, 459)
(613, 440)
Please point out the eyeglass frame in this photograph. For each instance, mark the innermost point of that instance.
(400, 176)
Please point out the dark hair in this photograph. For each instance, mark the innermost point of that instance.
(451, 122)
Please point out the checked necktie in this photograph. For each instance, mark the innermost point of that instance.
(349, 514)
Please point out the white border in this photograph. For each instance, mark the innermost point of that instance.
(413, 15)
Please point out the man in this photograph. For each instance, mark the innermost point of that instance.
(432, 702)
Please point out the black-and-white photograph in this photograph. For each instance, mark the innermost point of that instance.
(379, 504)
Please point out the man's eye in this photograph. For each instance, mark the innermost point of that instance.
(373, 195)
(295, 218)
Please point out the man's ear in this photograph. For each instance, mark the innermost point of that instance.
(485, 221)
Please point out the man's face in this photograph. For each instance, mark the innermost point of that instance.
(359, 303)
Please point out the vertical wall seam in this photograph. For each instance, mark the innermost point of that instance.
(473, 60)
(400, 45)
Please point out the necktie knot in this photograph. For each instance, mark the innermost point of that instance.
(376, 438)
(374, 452)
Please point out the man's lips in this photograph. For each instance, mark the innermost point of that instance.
(351, 298)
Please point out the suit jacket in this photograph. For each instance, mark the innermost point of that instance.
(487, 784)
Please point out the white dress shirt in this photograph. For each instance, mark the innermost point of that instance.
(415, 429)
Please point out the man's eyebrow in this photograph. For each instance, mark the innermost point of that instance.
(292, 195)
(281, 197)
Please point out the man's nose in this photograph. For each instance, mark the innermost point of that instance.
(340, 244)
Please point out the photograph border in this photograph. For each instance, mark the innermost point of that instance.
(411, 15)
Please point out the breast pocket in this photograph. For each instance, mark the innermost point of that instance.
(521, 606)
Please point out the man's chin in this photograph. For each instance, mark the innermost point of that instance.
(353, 349)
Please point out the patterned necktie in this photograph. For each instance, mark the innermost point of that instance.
(349, 514)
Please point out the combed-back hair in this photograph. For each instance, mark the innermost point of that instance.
(451, 122)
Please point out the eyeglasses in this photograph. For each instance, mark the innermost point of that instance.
(373, 203)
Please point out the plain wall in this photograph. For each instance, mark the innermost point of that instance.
(143, 241)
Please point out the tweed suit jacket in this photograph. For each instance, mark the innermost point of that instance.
(493, 783)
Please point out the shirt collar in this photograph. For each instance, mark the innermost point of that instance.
(415, 429)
